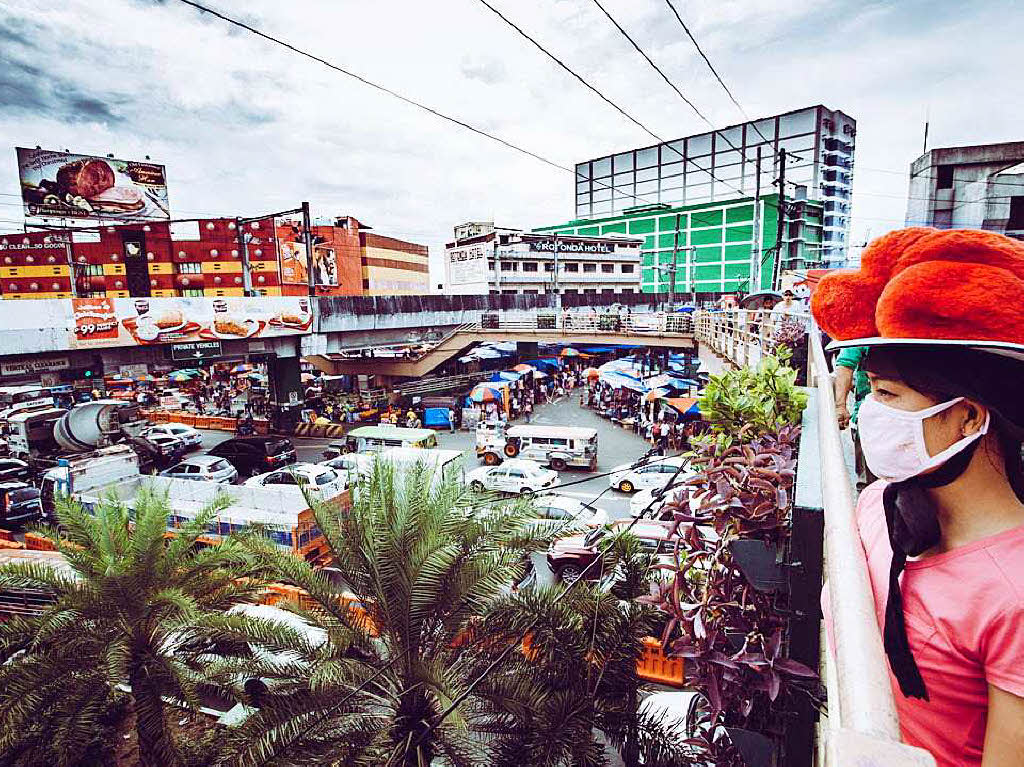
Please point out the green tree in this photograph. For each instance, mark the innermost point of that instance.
(753, 400)
(119, 610)
(424, 561)
(577, 679)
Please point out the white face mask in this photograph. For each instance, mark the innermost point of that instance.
(893, 440)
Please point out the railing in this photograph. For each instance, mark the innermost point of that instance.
(862, 727)
(638, 323)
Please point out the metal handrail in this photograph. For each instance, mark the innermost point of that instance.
(865, 692)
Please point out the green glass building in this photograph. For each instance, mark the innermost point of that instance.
(713, 244)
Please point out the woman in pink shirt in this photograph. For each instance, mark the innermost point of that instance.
(943, 531)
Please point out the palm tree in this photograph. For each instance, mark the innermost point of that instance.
(425, 559)
(578, 676)
(125, 602)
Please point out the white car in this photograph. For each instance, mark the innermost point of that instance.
(353, 466)
(654, 473)
(552, 506)
(192, 438)
(513, 476)
(322, 482)
(642, 498)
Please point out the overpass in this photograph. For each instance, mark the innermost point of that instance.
(641, 330)
(80, 333)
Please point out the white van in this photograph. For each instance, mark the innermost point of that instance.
(557, 446)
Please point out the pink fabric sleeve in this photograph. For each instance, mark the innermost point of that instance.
(1004, 650)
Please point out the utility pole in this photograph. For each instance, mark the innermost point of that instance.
(554, 278)
(672, 271)
(754, 283)
(307, 237)
(781, 220)
(243, 244)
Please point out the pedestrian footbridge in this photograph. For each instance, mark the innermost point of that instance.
(640, 329)
(336, 333)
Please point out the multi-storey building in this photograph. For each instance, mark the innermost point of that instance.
(712, 247)
(492, 260)
(208, 257)
(969, 187)
(722, 165)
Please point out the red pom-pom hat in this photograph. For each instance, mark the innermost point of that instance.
(960, 287)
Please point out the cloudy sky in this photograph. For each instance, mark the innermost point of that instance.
(245, 126)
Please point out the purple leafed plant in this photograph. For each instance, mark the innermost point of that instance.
(731, 635)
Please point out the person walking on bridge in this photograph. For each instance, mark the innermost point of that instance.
(941, 314)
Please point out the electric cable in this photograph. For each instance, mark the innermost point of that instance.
(565, 67)
(394, 94)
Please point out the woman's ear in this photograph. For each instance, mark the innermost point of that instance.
(975, 416)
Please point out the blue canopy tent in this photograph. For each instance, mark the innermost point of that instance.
(547, 364)
(506, 375)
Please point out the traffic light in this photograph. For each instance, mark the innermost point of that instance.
(88, 373)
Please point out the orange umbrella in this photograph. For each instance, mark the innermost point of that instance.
(592, 373)
(523, 368)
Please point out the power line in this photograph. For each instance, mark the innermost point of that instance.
(388, 91)
(714, 71)
(592, 88)
(653, 65)
(708, 62)
(565, 67)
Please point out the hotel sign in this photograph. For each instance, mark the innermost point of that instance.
(572, 246)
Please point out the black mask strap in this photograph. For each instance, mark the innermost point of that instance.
(913, 529)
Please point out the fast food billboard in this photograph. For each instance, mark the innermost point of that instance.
(293, 264)
(103, 321)
(64, 185)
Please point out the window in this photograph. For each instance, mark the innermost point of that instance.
(589, 268)
(490, 265)
(627, 290)
(192, 293)
(530, 292)
(190, 268)
(529, 267)
(549, 266)
(571, 267)
(607, 290)
(571, 291)
(509, 292)
(628, 268)
(93, 270)
(944, 175)
(590, 291)
(607, 268)
(509, 266)
(1016, 220)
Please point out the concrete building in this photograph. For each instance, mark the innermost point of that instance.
(722, 165)
(715, 247)
(969, 187)
(209, 257)
(509, 261)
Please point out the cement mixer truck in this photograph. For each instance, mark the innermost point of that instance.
(41, 435)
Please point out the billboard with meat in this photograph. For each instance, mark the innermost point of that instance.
(64, 185)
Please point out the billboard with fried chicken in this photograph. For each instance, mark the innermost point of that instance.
(104, 321)
(64, 185)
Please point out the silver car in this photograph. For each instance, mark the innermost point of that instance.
(204, 468)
